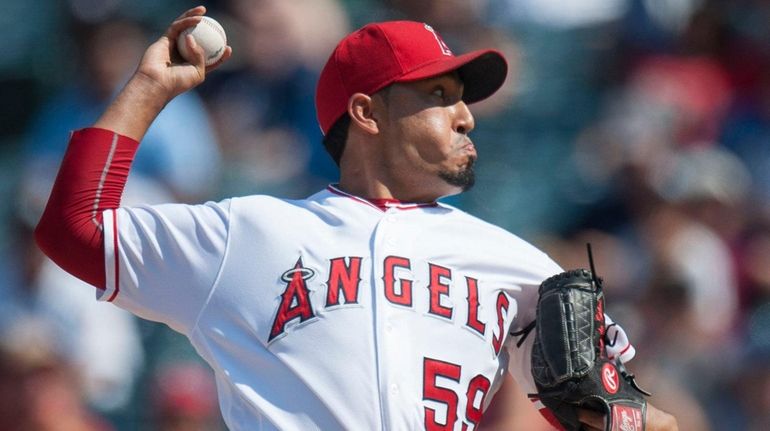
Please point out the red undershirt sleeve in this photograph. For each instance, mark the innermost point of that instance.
(91, 179)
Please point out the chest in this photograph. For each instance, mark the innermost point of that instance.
(348, 283)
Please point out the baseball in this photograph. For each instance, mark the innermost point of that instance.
(210, 35)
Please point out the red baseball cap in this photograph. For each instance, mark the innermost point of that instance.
(380, 54)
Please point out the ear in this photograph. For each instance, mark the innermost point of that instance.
(361, 111)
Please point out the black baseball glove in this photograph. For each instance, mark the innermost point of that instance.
(569, 357)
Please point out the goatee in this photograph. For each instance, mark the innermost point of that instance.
(464, 178)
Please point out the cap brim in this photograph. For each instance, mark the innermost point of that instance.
(482, 72)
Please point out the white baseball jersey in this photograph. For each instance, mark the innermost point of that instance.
(330, 312)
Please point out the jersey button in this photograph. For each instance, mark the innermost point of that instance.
(394, 389)
(388, 327)
(390, 241)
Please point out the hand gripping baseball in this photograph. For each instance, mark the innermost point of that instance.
(162, 74)
(569, 359)
(163, 66)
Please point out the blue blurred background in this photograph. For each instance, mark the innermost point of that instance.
(641, 126)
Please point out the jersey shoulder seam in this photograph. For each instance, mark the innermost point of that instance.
(215, 282)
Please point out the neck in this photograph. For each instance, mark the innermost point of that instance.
(375, 189)
(361, 183)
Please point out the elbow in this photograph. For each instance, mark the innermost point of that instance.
(51, 238)
(43, 237)
(77, 251)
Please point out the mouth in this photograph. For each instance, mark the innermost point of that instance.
(469, 148)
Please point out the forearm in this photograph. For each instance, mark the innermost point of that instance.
(135, 108)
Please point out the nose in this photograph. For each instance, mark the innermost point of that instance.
(463, 121)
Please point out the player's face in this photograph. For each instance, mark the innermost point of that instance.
(426, 125)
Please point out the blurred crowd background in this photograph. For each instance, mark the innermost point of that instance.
(640, 126)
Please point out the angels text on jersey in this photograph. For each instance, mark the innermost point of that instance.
(343, 278)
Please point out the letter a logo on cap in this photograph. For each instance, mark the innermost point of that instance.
(444, 48)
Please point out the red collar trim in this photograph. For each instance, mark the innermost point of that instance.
(382, 204)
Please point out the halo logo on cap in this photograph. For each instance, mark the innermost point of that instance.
(443, 46)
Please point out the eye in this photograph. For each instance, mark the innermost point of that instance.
(438, 91)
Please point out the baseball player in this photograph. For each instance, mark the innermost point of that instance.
(368, 305)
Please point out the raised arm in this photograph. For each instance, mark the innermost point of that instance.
(95, 167)
(161, 76)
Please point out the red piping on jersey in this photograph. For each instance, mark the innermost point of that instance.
(628, 346)
(115, 255)
(382, 204)
(91, 179)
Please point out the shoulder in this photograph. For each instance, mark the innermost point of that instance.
(261, 207)
(500, 243)
(262, 201)
(487, 230)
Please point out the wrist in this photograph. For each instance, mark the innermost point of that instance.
(146, 91)
(135, 108)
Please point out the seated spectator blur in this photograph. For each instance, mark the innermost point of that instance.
(107, 363)
(183, 397)
(40, 390)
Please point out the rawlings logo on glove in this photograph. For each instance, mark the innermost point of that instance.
(569, 358)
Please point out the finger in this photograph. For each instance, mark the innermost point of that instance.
(593, 419)
(226, 55)
(198, 55)
(181, 25)
(197, 10)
